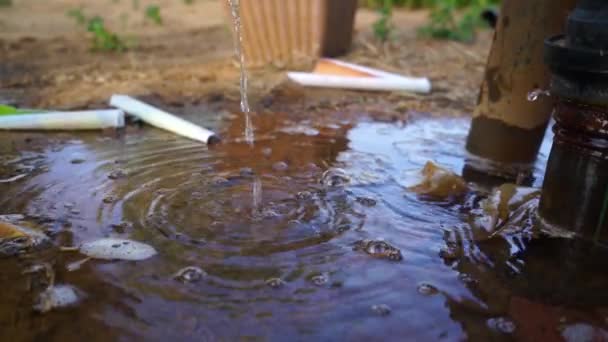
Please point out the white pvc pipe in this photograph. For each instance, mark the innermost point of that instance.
(68, 121)
(400, 83)
(161, 119)
(371, 71)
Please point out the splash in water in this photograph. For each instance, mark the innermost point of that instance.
(238, 44)
(257, 194)
(535, 94)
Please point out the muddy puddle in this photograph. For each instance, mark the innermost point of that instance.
(309, 235)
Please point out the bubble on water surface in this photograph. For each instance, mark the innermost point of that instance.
(381, 309)
(320, 279)
(275, 283)
(55, 297)
(378, 249)
(334, 178)
(190, 274)
(117, 249)
(501, 324)
(427, 289)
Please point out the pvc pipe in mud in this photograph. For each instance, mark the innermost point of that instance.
(80, 120)
(393, 83)
(507, 128)
(163, 120)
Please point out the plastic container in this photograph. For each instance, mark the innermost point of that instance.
(291, 32)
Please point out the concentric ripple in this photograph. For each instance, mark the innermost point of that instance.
(273, 233)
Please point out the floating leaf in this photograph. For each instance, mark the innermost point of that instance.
(440, 183)
(117, 249)
(18, 236)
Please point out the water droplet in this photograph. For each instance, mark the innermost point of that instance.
(427, 289)
(535, 94)
(275, 283)
(335, 177)
(190, 274)
(320, 279)
(501, 324)
(381, 309)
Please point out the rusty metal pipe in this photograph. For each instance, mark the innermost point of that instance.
(507, 129)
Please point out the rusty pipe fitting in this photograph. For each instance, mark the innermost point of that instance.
(575, 190)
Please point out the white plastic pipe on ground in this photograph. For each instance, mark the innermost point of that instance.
(392, 83)
(163, 120)
(68, 121)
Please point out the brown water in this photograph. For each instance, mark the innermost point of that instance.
(329, 180)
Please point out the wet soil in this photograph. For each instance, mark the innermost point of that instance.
(310, 234)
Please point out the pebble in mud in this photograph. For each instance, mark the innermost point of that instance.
(190, 274)
(378, 249)
(320, 279)
(427, 289)
(381, 309)
(275, 283)
(117, 174)
(502, 325)
(280, 166)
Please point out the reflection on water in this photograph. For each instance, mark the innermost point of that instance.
(329, 185)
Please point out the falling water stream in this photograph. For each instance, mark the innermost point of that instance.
(235, 9)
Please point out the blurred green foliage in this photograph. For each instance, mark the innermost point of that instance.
(448, 19)
(421, 3)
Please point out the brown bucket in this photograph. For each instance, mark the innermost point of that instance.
(291, 32)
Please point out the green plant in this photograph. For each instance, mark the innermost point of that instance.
(6, 3)
(382, 27)
(447, 23)
(153, 13)
(102, 38)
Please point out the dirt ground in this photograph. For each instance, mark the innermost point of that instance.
(46, 59)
